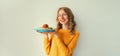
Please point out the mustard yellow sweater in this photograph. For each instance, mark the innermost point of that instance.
(61, 45)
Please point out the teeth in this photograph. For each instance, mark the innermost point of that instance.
(63, 20)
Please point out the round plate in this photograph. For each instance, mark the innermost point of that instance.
(43, 30)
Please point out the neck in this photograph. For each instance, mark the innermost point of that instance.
(65, 26)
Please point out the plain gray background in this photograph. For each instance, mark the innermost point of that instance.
(97, 21)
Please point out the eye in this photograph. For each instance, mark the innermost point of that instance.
(59, 15)
(64, 14)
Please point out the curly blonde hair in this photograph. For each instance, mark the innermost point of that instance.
(71, 21)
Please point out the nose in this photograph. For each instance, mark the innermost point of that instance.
(61, 16)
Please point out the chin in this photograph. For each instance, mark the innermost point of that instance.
(63, 23)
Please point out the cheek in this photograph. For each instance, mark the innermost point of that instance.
(58, 20)
(66, 18)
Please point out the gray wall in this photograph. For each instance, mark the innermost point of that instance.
(97, 20)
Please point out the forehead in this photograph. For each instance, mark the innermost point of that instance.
(61, 11)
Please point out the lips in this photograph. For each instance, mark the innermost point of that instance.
(63, 20)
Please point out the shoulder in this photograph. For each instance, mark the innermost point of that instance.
(77, 32)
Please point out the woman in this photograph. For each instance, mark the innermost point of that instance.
(64, 40)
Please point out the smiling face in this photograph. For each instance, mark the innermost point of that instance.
(62, 17)
(65, 19)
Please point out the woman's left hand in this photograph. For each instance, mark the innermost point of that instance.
(53, 33)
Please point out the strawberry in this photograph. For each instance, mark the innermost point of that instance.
(45, 26)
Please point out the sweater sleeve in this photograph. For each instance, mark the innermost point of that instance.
(67, 50)
(47, 44)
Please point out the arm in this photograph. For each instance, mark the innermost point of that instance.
(67, 50)
(47, 44)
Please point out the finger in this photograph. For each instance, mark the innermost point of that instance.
(44, 32)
